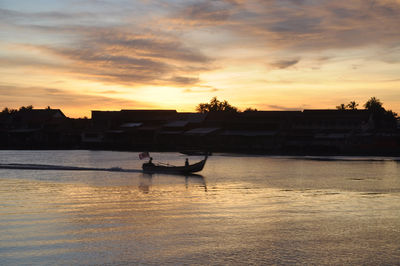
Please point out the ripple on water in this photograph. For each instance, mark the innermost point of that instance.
(302, 212)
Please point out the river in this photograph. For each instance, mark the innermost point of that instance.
(241, 209)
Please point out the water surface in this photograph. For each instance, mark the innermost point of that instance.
(240, 210)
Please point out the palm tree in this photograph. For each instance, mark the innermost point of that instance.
(374, 105)
(352, 105)
(383, 118)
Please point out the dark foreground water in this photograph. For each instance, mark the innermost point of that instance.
(241, 210)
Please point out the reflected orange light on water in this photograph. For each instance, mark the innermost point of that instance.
(241, 210)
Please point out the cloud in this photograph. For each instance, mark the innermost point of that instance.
(284, 108)
(110, 92)
(282, 64)
(296, 25)
(302, 25)
(120, 56)
(201, 89)
(14, 96)
(205, 12)
(153, 49)
(185, 80)
(38, 18)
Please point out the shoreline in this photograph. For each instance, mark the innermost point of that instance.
(228, 151)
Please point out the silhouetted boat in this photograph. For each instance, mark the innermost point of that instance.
(170, 169)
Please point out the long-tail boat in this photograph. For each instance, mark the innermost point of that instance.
(171, 169)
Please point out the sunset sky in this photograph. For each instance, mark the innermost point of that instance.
(82, 55)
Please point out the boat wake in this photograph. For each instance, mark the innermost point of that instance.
(19, 166)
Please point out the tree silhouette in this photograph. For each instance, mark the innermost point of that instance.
(382, 118)
(249, 109)
(11, 111)
(25, 108)
(374, 105)
(215, 106)
(352, 105)
(341, 107)
(8, 111)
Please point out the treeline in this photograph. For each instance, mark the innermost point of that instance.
(379, 114)
(10, 111)
(219, 106)
(373, 105)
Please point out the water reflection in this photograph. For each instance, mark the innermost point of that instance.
(257, 210)
(145, 183)
(197, 179)
(145, 180)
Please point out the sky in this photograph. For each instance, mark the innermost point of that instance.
(83, 55)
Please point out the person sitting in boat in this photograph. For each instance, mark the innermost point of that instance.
(187, 162)
(150, 160)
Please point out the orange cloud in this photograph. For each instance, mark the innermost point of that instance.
(15, 96)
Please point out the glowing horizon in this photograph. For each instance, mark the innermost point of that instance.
(88, 55)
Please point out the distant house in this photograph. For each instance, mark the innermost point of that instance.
(38, 118)
(255, 131)
(171, 135)
(114, 119)
(90, 136)
(268, 120)
(201, 138)
(126, 129)
(336, 120)
(35, 128)
(277, 132)
(71, 131)
(325, 131)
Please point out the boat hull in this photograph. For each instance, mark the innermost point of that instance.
(192, 168)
